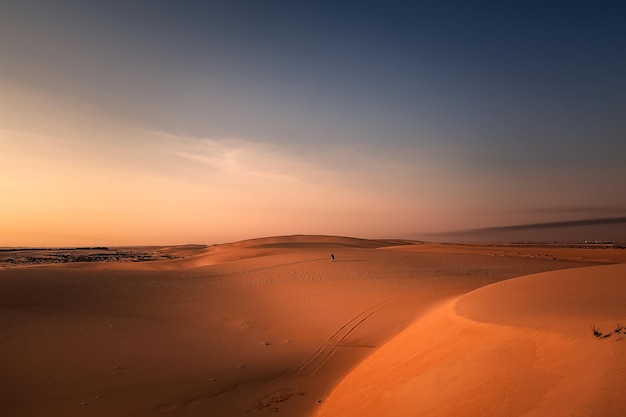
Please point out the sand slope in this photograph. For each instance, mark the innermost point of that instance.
(243, 329)
(521, 347)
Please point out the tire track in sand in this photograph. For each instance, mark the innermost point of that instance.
(323, 354)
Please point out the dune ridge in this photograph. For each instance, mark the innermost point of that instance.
(521, 347)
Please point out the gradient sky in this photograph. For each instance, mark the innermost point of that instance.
(162, 122)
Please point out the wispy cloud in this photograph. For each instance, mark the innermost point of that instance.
(234, 157)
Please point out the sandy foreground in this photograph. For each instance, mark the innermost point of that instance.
(273, 327)
(522, 347)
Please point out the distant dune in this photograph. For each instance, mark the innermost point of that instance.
(275, 326)
(303, 241)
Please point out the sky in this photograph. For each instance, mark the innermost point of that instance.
(161, 122)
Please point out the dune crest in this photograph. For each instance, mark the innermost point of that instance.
(199, 256)
(521, 347)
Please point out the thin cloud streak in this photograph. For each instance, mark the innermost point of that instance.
(590, 209)
(542, 226)
(236, 157)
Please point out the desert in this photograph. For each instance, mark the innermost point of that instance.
(312, 208)
(274, 326)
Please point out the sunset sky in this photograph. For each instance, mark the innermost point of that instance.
(165, 122)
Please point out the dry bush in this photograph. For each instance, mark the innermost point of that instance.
(596, 330)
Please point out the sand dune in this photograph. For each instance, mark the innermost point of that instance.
(521, 347)
(242, 329)
(568, 252)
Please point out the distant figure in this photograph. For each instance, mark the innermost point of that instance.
(332, 257)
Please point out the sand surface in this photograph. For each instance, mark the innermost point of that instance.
(271, 327)
(522, 347)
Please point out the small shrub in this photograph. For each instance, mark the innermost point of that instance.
(596, 330)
